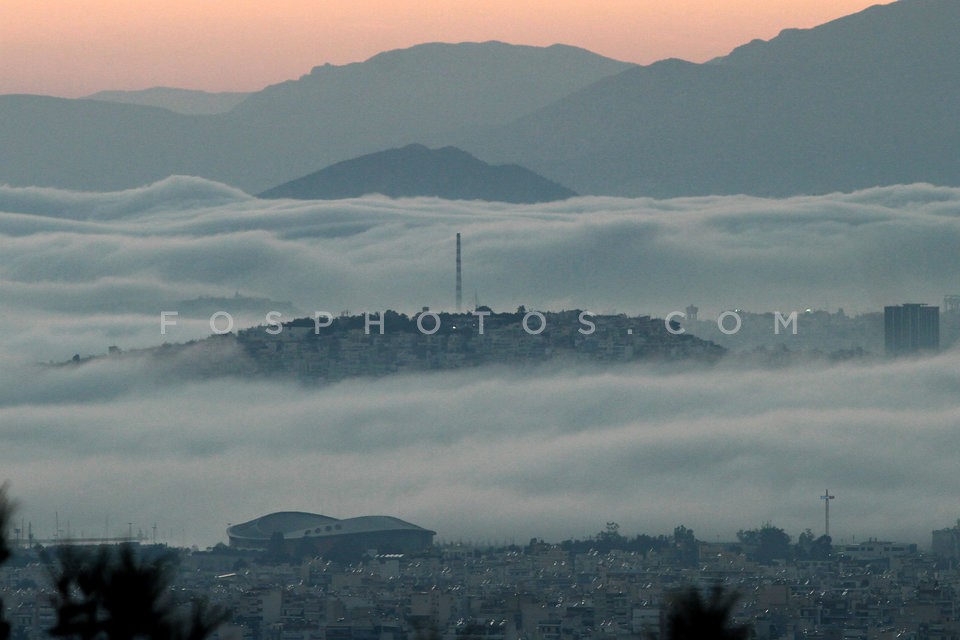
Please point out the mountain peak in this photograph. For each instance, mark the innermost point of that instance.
(416, 170)
(442, 53)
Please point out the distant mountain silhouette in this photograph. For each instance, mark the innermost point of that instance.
(415, 170)
(92, 145)
(869, 99)
(183, 101)
(431, 93)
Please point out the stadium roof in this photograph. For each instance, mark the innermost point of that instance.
(298, 524)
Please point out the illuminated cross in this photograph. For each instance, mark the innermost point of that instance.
(826, 497)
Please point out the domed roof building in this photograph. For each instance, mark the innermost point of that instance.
(299, 532)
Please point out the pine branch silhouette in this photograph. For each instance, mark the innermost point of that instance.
(691, 617)
(6, 514)
(112, 593)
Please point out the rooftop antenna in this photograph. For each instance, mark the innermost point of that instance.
(459, 281)
(826, 497)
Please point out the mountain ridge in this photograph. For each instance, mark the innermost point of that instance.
(184, 101)
(289, 129)
(861, 101)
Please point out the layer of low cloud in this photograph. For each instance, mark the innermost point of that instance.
(138, 252)
(491, 454)
(487, 454)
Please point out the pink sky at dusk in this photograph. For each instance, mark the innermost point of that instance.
(76, 47)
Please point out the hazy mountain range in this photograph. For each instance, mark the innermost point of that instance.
(428, 94)
(183, 101)
(415, 170)
(866, 100)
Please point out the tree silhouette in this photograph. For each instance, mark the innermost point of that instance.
(766, 544)
(686, 543)
(811, 548)
(6, 513)
(691, 617)
(114, 593)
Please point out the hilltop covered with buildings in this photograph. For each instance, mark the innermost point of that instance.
(325, 348)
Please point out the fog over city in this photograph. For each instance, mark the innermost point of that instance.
(487, 454)
(124, 257)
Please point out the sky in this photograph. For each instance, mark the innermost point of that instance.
(73, 48)
(493, 454)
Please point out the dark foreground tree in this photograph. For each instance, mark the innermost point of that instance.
(6, 513)
(691, 617)
(115, 593)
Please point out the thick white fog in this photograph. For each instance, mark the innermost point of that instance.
(494, 453)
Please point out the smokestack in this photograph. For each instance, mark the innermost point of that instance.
(459, 281)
